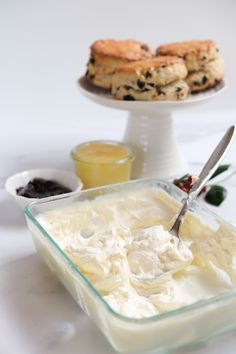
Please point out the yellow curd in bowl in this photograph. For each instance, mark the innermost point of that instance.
(98, 163)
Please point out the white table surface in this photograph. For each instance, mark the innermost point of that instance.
(37, 315)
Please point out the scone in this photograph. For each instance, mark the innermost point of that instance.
(202, 59)
(208, 76)
(106, 55)
(194, 53)
(159, 79)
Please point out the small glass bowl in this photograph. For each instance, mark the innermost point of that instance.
(103, 170)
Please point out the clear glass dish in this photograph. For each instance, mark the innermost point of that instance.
(102, 162)
(163, 333)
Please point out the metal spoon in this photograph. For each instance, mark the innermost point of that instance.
(206, 173)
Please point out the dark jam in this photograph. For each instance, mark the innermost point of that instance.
(42, 188)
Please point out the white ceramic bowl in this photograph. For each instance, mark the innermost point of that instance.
(66, 178)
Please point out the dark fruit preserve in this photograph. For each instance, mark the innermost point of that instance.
(42, 188)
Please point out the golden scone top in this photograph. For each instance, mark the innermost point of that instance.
(122, 49)
(149, 64)
(195, 47)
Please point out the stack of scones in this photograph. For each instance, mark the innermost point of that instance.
(130, 71)
(204, 64)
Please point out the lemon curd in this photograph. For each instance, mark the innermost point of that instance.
(98, 163)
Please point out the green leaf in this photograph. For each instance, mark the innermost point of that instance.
(216, 195)
(220, 169)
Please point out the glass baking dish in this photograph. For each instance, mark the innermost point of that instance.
(163, 333)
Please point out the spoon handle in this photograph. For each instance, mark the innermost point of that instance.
(213, 162)
(206, 173)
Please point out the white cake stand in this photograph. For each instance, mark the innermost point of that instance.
(150, 129)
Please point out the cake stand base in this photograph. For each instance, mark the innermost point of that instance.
(154, 142)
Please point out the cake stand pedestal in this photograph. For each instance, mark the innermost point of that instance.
(150, 130)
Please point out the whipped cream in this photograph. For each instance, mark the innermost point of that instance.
(121, 245)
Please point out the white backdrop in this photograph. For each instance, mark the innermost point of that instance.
(45, 46)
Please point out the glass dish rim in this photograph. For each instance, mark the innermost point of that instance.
(130, 155)
(156, 318)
